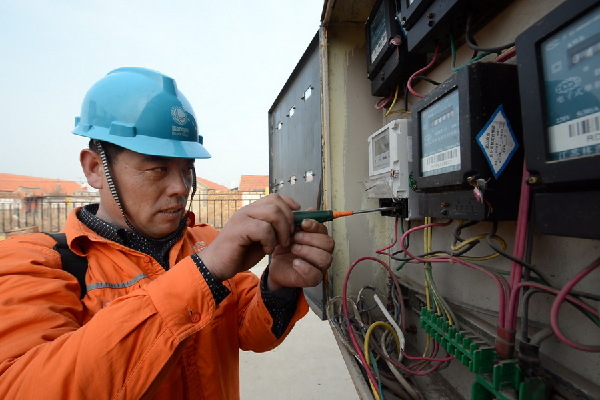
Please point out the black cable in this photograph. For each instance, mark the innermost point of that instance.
(424, 78)
(523, 263)
(471, 41)
(459, 228)
(525, 317)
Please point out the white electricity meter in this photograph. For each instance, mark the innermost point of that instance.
(388, 162)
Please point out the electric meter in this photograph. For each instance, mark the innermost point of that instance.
(388, 62)
(388, 164)
(466, 154)
(559, 71)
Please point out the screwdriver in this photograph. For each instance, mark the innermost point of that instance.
(330, 215)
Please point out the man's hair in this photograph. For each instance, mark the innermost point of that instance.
(111, 150)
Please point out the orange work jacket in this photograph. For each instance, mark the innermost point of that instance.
(139, 333)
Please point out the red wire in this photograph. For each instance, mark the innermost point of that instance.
(357, 348)
(500, 281)
(441, 361)
(507, 55)
(382, 251)
(419, 72)
(516, 270)
(514, 298)
(558, 302)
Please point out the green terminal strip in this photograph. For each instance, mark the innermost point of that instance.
(494, 379)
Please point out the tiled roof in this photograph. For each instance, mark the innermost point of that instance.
(205, 183)
(33, 186)
(250, 183)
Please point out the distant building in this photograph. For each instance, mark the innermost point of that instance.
(26, 186)
(27, 201)
(208, 185)
(253, 187)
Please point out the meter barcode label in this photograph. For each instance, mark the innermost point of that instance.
(588, 125)
(498, 142)
(575, 138)
(444, 161)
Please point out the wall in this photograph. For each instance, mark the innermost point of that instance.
(350, 118)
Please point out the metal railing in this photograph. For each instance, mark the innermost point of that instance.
(49, 213)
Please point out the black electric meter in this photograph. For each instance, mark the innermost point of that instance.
(466, 137)
(428, 23)
(559, 71)
(381, 30)
(388, 62)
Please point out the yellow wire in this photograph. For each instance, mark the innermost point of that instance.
(427, 246)
(389, 111)
(428, 290)
(366, 347)
(481, 258)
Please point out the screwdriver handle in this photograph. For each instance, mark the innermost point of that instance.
(320, 216)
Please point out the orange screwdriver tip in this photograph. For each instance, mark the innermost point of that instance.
(337, 214)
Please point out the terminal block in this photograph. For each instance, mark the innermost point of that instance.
(502, 380)
(468, 349)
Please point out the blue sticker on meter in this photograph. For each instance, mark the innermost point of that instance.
(497, 141)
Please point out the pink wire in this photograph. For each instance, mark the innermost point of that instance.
(382, 251)
(558, 302)
(503, 289)
(514, 297)
(506, 55)
(429, 371)
(419, 72)
(359, 351)
(516, 270)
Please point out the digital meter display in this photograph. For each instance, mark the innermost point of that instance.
(571, 74)
(381, 150)
(440, 136)
(378, 33)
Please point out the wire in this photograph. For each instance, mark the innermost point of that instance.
(516, 270)
(471, 41)
(398, 332)
(419, 72)
(352, 336)
(370, 331)
(503, 289)
(558, 303)
(514, 297)
(413, 394)
(506, 55)
(378, 394)
(475, 58)
(389, 111)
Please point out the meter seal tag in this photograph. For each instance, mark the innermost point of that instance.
(498, 142)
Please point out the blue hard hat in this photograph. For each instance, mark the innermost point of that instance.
(141, 110)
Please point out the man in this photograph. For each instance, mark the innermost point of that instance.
(168, 304)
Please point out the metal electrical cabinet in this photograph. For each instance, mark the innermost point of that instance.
(295, 151)
(330, 139)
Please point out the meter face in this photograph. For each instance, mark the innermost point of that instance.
(571, 75)
(378, 34)
(381, 150)
(440, 136)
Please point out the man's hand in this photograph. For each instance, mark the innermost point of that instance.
(300, 255)
(304, 263)
(252, 232)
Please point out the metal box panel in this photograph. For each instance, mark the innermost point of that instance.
(295, 150)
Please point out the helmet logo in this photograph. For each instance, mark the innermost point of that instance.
(179, 115)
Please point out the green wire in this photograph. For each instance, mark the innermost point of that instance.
(472, 60)
(376, 370)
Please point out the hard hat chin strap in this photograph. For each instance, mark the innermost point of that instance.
(111, 183)
(194, 188)
(115, 194)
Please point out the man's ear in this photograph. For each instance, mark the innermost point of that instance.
(91, 163)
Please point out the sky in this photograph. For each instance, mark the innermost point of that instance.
(230, 59)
